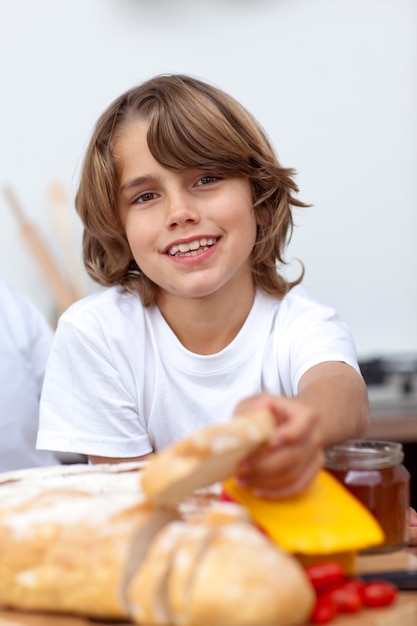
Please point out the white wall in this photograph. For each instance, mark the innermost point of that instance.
(332, 81)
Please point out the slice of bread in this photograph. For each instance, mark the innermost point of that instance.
(147, 590)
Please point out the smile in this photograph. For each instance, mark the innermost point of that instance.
(192, 248)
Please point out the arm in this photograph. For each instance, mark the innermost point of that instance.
(331, 406)
(339, 395)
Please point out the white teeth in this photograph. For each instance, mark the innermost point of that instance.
(192, 246)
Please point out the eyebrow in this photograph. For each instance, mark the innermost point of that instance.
(135, 182)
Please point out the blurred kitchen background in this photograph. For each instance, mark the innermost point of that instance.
(333, 82)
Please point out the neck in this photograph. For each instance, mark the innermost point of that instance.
(207, 325)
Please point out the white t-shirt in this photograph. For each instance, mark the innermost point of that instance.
(119, 383)
(25, 340)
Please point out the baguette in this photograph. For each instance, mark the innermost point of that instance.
(207, 456)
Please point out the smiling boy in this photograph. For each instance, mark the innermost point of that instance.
(187, 214)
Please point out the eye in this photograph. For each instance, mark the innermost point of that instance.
(144, 197)
(209, 178)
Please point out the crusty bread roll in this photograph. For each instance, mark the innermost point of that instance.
(218, 571)
(205, 457)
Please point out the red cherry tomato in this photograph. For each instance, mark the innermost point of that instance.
(347, 598)
(325, 610)
(377, 593)
(325, 575)
(355, 583)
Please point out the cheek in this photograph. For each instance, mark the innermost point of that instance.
(243, 224)
(138, 234)
(250, 225)
(138, 247)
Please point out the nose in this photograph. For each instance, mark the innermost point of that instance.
(181, 209)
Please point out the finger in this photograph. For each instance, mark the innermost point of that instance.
(295, 488)
(275, 458)
(281, 467)
(273, 465)
(296, 425)
(252, 403)
(283, 409)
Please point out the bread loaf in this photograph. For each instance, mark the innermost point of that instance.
(148, 542)
(71, 550)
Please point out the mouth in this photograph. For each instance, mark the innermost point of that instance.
(192, 248)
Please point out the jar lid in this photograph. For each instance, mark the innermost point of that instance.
(364, 454)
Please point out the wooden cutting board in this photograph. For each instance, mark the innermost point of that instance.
(402, 613)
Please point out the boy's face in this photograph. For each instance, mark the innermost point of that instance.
(190, 232)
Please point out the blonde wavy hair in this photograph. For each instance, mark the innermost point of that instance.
(192, 125)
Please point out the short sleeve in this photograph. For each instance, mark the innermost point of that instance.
(309, 333)
(89, 399)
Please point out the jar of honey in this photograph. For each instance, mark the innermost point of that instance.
(373, 471)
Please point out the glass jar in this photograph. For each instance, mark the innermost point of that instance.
(373, 472)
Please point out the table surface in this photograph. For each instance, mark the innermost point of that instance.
(402, 613)
(393, 425)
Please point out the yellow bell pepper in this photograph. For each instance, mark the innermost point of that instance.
(326, 521)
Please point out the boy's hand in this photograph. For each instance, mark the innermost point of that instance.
(287, 464)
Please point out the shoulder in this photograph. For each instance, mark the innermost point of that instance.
(300, 319)
(105, 304)
(20, 316)
(298, 304)
(299, 296)
(110, 315)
